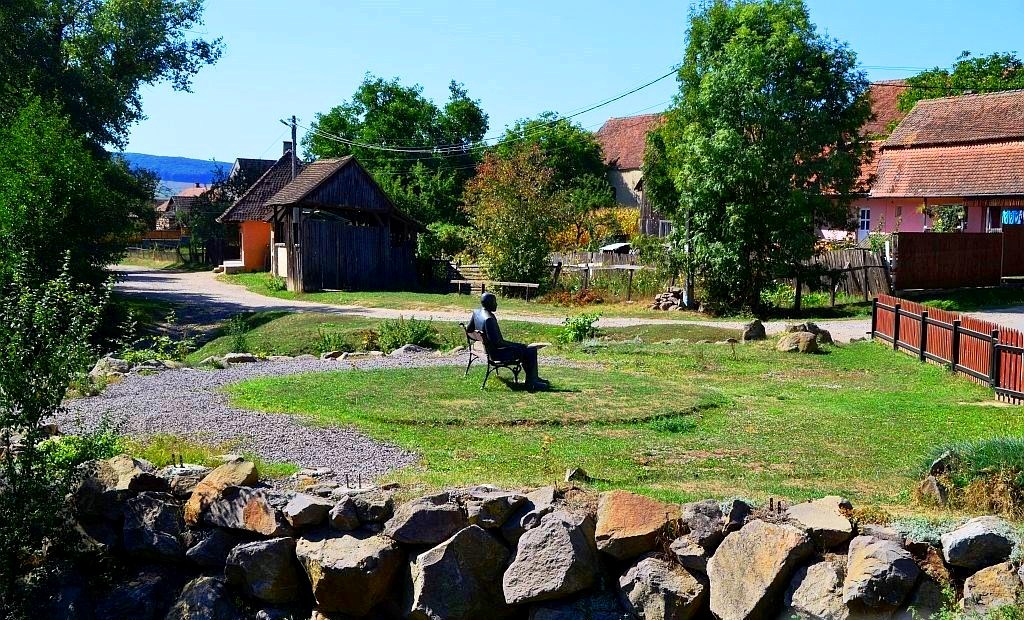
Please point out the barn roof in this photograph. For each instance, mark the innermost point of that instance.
(252, 168)
(252, 204)
(962, 119)
(885, 97)
(623, 140)
(312, 175)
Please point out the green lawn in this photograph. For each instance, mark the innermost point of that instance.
(280, 333)
(969, 300)
(676, 420)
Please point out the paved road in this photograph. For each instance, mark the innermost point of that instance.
(1007, 317)
(204, 299)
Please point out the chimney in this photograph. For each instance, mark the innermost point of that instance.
(198, 185)
(286, 146)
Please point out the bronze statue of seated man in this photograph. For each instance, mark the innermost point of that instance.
(483, 320)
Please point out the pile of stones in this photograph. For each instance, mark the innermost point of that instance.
(672, 299)
(218, 544)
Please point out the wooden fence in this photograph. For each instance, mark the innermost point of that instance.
(865, 272)
(607, 259)
(987, 353)
(947, 260)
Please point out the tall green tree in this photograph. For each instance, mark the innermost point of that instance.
(571, 152)
(91, 57)
(763, 143)
(970, 74)
(427, 185)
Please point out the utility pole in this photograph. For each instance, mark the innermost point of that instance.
(295, 144)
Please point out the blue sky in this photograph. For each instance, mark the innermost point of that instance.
(519, 58)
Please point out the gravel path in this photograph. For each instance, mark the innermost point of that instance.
(191, 403)
(204, 299)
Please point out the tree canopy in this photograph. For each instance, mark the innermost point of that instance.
(382, 112)
(762, 143)
(571, 152)
(970, 74)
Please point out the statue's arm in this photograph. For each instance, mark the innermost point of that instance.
(493, 332)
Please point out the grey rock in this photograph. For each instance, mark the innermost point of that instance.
(266, 570)
(110, 366)
(597, 606)
(410, 349)
(927, 601)
(654, 589)
(374, 507)
(736, 514)
(816, 593)
(880, 575)
(751, 568)
(215, 361)
(799, 342)
(704, 522)
(577, 474)
(490, 507)
(753, 330)
(991, 588)
(254, 510)
(933, 492)
(343, 516)
(144, 596)
(824, 520)
(881, 531)
(427, 520)
(306, 510)
(556, 558)
(690, 554)
(474, 560)
(981, 542)
(240, 358)
(333, 355)
(207, 598)
(154, 526)
(538, 503)
(210, 547)
(182, 480)
(349, 574)
(106, 485)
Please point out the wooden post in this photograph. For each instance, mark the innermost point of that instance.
(896, 328)
(629, 286)
(799, 294)
(993, 366)
(867, 285)
(923, 345)
(955, 354)
(874, 317)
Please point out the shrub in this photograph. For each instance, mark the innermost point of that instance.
(393, 333)
(238, 331)
(275, 284)
(328, 341)
(137, 349)
(62, 454)
(578, 328)
(443, 240)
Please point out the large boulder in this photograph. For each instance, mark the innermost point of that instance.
(654, 589)
(374, 507)
(690, 554)
(106, 484)
(427, 520)
(474, 560)
(349, 574)
(799, 342)
(816, 593)
(233, 474)
(490, 507)
(255, 510)
(704, 522)
(307, 510)
(981, 542)
(751, 568)
(753, 330)
(539, 502)
(146, 595)
(153, 526)
(554, 559)
(266, 570)
(595, 606)
(991, 588)
(207, 598)
(630, 525)
(182, 480)
(824, 520)
(343, 515)
(210, 547)
(110, 366)
(880, 575)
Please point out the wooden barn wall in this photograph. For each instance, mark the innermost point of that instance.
(351, 187)
(335, 255)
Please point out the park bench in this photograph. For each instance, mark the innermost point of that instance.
(493, 365)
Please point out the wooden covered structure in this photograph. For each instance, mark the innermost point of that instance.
(332, 227)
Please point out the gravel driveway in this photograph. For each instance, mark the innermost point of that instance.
(191, 403)
(204, 299)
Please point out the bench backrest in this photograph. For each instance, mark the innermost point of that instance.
(474, 335)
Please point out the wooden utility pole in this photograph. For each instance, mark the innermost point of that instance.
(295, 144)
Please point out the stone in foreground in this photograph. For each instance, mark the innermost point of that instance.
(799, 342)
(234, 474)
(472, 559)
(751, 568)
(816, 592)
(306, 510)
(207, 598)
(266, 570)
(154, 527)
(824, 520)
(880, 575)
(654, 589)
(554, 559)
(630, 525)
(427, 520)
(601, 606)
(981, 542)
(349, 574)
(991, 588)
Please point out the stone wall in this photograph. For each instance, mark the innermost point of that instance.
(219, 544)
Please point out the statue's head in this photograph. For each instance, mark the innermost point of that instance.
(489, 302)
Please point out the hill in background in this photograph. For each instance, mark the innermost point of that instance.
(176, 173)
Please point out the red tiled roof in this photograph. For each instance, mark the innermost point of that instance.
(192, 191)
(885, 105)
(965, 118)
(623, 140)
(951, 170)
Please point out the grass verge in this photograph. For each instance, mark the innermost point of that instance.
(163, 449)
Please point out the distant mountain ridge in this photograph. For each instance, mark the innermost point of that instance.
(177, 169)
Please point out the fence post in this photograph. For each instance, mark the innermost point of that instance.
(993, 367)
(896, 328)
(955, 353)
(874, 317)
(923, 346)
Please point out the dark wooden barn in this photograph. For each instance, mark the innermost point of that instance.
(334, 228)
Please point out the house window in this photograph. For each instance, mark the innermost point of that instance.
(664, 228)
(865, 220)
(995, 218)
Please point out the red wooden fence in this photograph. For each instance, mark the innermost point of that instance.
(985, 352)
(929, 260)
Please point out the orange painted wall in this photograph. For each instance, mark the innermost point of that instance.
(255, 245)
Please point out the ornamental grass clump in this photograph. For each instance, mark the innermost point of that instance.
(984, 475)
(394, 333)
